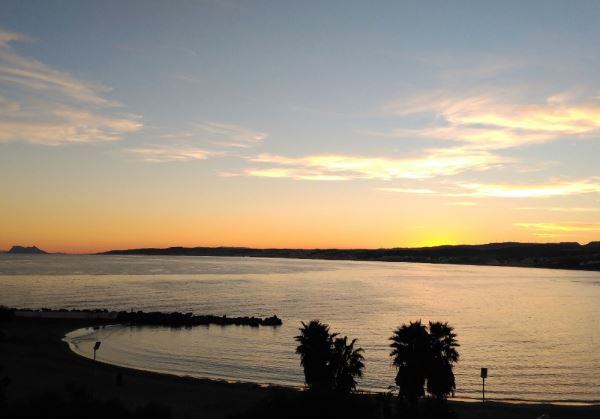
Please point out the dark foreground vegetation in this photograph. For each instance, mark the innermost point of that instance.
(531, 255)
(424, 357)
(330, 362)
(77, 405)
(308, 404)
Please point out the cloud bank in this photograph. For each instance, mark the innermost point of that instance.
(200, 142)
(42, 105)
(492, 122)
(157, 154)
(433, 163)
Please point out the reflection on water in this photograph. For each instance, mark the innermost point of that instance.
(536, 330)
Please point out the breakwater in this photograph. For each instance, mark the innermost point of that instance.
(154, 318)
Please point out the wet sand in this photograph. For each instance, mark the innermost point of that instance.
(37, 360)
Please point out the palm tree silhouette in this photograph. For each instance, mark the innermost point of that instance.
(423, 356)
(346, 364)
(315, 343)
(410, 353)
(440, 375)
(329, 362)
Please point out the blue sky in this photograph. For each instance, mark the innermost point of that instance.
(476, 121)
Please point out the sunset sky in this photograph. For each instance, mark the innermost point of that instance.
(298, 123)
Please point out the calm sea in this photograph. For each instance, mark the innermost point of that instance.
(536, 330)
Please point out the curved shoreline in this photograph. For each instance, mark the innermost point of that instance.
(72, 347)
(290, 387)
(40, 361)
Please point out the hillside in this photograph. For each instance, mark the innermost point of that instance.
(545, 255)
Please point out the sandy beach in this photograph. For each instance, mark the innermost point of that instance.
(37, 360)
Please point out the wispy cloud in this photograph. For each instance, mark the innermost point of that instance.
(158, 154)
(493, 122)
(48, 106)
(229, 135)
(454, 65)
(34, 75)
(560, 209)
(188, 79)
(8, 106)
(418, 191)
(300, 174)
(540, 190)
(442, 162)
(7, 37)
(571, 227)
(64, 125)
(200, 142)
(550, 188)
(463, 204)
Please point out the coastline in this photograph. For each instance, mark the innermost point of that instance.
(37, 359)
(427, 261)
(568, 256)
(297, 387)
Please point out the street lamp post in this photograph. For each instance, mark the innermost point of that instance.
(96, 347)
(484, 374)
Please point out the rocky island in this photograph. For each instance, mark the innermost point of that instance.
(23, 250)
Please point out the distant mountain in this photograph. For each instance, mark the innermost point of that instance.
(568, 255)
(33, 250)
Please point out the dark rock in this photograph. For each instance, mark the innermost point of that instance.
(32, 250)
